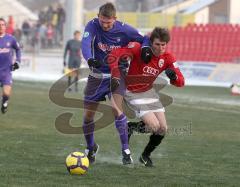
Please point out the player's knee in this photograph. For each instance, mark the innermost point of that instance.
(162, 127)
(88, 117)
(153, 126)
(163, 130)
(117, 112)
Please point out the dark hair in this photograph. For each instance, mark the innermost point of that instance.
(107, 10)
(76, 32)
(161, 33)
(1, 19)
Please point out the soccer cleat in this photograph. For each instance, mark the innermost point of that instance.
(4, 107)
(127, 159)
(91, 154)
(146, 160)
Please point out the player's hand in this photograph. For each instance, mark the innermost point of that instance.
(123, 63)
(146, 54)
(171, 74)
(115, 83)
(94, 63)
(15, 66)
(64, 63)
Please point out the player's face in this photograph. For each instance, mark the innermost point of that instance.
(2, 27)
(158, 47)
(77, 36)
(106, 22)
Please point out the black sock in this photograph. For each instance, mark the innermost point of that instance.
(154, 141)
(137, 126)
(4, 99)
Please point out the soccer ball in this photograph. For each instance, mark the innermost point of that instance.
(77, 163)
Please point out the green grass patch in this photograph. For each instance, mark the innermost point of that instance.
(201, 148)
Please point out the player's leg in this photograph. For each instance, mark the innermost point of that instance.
(69, 82)
(76, 72)
(94, 92)
(71, 69)
(91, 98)
(143, 103)
(162, 121)
(121, 125)
(159, 128)
(88, 130)
(76, 79)
(5, 97)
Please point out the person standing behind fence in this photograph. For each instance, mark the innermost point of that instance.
(73, 49)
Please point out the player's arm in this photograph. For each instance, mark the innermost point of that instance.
(114, 61)
(146, 52)
(80, 51)
(88, 45)
(173, 73)
(65, 54)
(117, 60)
(16, 47)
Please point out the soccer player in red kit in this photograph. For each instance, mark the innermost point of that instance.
(139, 79)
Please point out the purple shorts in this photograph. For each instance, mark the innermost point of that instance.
(5, 78)
(98, 88)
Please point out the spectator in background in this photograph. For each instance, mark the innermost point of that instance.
(10, 25)
(61, 21)
(49, 14)
(42, 17)
(42, 35)
(18, 34)
(36, 37)
(26, 29)
(50, 35)
(54, 22)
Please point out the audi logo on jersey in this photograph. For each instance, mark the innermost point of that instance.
(150, 70)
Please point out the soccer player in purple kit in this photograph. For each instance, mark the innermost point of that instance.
(101, 35)
(7, 44)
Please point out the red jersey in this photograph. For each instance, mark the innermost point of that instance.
(140, 76)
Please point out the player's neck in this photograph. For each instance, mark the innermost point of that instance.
(156, 54)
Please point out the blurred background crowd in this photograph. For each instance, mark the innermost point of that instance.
(45, 32)
(203, 31)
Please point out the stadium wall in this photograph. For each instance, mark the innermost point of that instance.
(148, 20)
(48, 67)
(210, 74)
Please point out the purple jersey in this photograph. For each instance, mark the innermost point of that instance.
(97, 43)
(7, 44)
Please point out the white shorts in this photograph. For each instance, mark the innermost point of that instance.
(144, 102)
